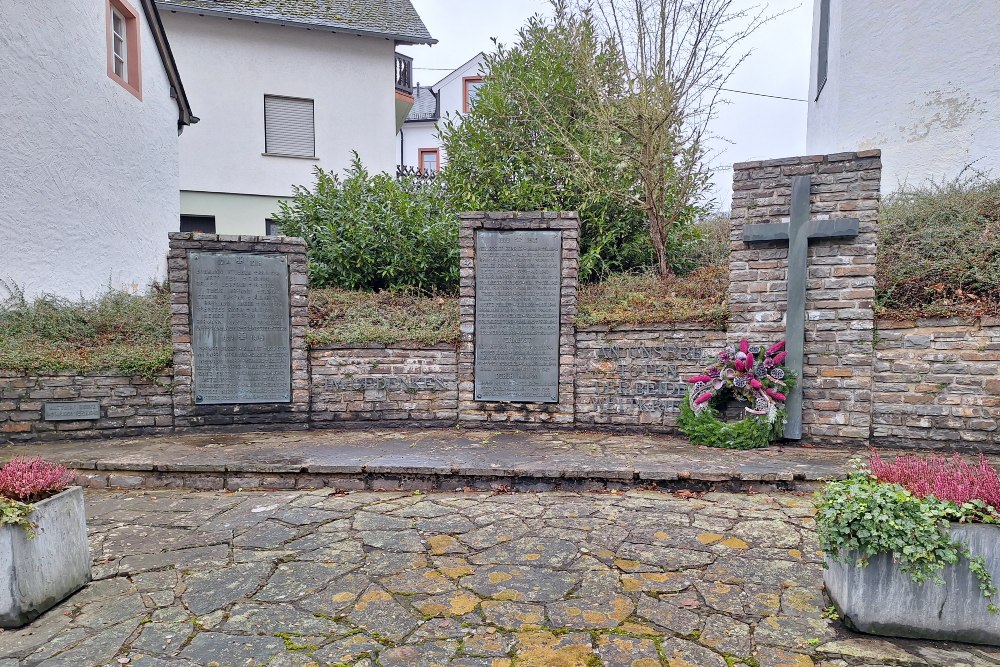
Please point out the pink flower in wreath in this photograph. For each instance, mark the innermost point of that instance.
(781, 357)
(755, 383)
(745, 346)
(776, 395)
(774, 349)
(703, 398)
(699, 378)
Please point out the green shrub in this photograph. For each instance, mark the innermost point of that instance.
(373, 232)
(939, 250)
(118, 330)
(705, 243)
(344, 316)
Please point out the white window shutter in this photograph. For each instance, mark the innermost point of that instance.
(289, 126)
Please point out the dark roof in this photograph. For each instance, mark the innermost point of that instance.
(425, 105)
(393, 19)
(184, 114)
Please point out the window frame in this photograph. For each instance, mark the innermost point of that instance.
(436, 152)
(312, 101)
(131, 42)
(195, 218)
(465, 91)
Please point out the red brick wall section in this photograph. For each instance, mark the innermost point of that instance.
(937, 384)
(837, 380)
(130, 406)
(406, 385)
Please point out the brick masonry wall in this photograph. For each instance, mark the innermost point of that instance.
(130, 406)
(937, 384)
(384, 384)
(472, 411)
(634, 376)
(837, 371)
(250, 416)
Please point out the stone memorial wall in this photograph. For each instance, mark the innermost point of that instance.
(840, 282)
(634, 376)
(239, 309)
(517, 304)
(384, 384)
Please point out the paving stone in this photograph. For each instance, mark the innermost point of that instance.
(514, 615)
(265, 535)
(590, 612)
(421, 580)
(669, 616)
(619, 651)
(209, 647)
(682, 653)
(792, 632)
(518, 583)
(376, 611)
(162, 638)
(98, 649)
(389, 540)
(870, 649)
(544, 649)
(348, 650)
(292, 581)
(554, 553)
(278, 619)
(726, 635)
(428, 654)
(489, 642)
(216, 588)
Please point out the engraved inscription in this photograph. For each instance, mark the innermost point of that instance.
(71, 410)
(240, 328)
(518, 281)
(642, 379)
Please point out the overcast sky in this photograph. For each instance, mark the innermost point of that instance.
(754, 127)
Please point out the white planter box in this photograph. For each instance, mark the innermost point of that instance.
(37, 574)
(881, 600)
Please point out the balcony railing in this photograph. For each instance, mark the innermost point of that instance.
(404, 74)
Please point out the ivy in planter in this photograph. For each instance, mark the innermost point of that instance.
(862, 517)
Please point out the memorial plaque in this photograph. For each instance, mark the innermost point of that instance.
(240, 328)
(71, 411)
(518, 288)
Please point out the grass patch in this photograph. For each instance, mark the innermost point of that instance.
(338, 316)
(697, 297)
(120, 331)
(939, 250)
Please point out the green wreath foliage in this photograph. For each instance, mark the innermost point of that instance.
(706, 428)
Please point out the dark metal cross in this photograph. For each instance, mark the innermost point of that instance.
(798, 232)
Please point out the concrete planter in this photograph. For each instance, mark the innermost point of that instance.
(37, 574)
(881, 600)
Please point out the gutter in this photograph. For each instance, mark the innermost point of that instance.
(401, 39)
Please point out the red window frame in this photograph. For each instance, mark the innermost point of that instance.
(465, 90)
(133, 61)
(426, 151)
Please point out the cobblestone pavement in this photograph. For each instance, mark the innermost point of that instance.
(637, 579)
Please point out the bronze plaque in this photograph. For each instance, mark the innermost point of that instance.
(240, 328)
(518, 281)
(71, 411)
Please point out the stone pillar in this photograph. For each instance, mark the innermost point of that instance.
(293, 413)
(837, 382)
(561, 411)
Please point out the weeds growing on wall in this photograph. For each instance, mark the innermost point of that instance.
(119, 330)
(939, 250)
(646, 298)
(387, 317)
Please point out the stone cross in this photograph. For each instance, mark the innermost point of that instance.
(797, 232)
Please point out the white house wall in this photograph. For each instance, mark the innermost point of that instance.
(228, 67)
(416, 136)
(919, 79)
(88, 176)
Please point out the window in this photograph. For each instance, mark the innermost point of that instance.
(203, 224)
(823, 47)
(470, 90)
(289, 127)
(430, 159)
(271, 227)
(123, 46)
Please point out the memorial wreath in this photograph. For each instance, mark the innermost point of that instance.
(751, 374)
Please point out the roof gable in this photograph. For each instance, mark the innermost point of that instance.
(392, 19)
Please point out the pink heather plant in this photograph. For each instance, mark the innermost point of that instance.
(945, 478)
(30, 480)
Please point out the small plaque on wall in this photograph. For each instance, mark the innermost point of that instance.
(71, 411)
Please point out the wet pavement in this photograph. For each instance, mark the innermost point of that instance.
(467, 579)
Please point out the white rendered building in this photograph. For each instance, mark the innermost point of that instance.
(419, 145)
(919, 79)
(89, 116)
(284, 87)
